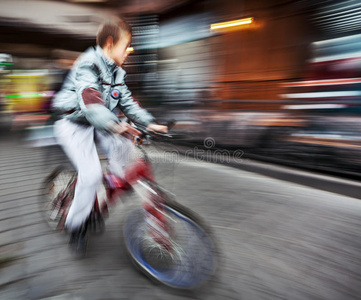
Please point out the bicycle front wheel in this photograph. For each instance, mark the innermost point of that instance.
(192, 259)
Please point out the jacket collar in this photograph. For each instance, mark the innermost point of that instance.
(111, 65)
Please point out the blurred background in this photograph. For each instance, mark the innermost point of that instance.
(278, 79)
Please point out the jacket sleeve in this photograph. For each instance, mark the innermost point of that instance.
(88, 91)
(132, 109)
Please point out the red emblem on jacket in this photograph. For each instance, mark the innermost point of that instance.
(115, 94)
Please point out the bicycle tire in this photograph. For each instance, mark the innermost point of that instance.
(53, 186)
(197, 261)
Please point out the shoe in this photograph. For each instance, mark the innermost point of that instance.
(96, 222)
(79, 240)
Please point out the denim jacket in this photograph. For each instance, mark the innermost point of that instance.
(93, 71)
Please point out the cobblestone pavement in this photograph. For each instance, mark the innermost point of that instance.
(277, 240)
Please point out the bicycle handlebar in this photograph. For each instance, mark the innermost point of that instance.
(155, 134)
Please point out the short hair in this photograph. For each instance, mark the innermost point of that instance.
(116, 28)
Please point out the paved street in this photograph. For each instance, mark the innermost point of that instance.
(277, 239)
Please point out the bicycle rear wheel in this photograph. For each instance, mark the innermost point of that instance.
(57, 195)
(193, 259)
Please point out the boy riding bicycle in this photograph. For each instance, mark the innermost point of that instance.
(94, 88)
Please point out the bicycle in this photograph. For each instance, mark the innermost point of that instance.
(164, 239)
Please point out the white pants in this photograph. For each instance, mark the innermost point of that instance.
(78, 142)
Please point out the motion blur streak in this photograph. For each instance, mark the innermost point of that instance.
(232, 23)
(256, 85)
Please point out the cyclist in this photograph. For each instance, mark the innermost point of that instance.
(93, 89)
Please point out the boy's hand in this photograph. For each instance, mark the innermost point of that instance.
(156, 127)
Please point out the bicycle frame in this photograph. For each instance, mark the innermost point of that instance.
(141, 168)
(138, 172)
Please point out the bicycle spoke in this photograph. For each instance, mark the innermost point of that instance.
(57, 197)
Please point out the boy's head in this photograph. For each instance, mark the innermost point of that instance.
(114, 38)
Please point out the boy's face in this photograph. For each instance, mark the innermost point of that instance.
(118, 51)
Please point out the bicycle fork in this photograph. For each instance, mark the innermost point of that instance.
(158, 227)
